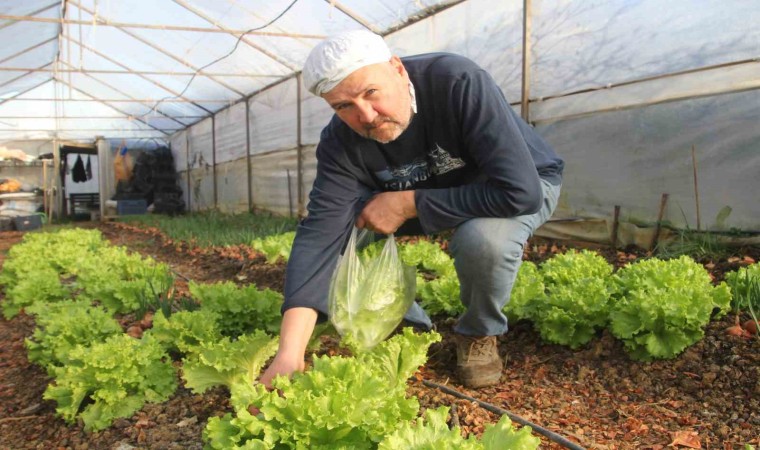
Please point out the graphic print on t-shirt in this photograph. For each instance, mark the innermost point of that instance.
(443, 162)
(406, 176)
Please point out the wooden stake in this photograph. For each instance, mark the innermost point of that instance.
(290, 196)
(696, 187)
(663, 202)
(615, 222)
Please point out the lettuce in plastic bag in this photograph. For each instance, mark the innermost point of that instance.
(369, 298)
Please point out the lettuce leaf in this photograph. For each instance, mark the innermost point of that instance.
(227, 362)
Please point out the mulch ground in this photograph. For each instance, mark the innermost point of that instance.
(708, 397)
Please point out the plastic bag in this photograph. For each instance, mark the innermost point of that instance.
(368, 300)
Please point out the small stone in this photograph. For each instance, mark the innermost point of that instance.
(30, 410)
(189, 421)
(708, 378)
(120, 423)
(122, 446)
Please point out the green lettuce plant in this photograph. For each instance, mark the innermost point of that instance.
(528, 289)
(60, 251)
(577, 300)
(440, 295)
(185, 331)
(432, 433)
(275, 247)
(62, 327)
(661, 307)
(42, 286)
(122, 282)
(341, 402)
(111, 379)
(239, 310)
(428, 256)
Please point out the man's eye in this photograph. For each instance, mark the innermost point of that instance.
(371, 91)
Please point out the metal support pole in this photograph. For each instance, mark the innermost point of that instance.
(301, 212)
(248, 155)
(615, 225)
(187, 165)
(290, 195)
(524, 102)
(213, 158)
(658, 225)
(696, 186)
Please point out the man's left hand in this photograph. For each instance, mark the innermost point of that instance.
(386, 212)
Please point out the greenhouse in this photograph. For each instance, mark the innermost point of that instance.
(159, 178)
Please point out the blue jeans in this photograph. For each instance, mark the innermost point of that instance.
(487, 255)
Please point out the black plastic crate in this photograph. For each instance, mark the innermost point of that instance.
(131, 207)
(24, 223)
(6, 223)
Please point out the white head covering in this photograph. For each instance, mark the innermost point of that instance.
(338, 56)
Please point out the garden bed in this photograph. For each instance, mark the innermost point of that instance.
(708, 397)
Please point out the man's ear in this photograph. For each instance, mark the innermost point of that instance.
(398, 66)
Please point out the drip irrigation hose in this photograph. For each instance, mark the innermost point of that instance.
(515, 418)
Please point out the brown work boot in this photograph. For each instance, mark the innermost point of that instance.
(478, 361)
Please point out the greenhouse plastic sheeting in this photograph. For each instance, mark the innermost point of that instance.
(200, 145)
(275, 182)
(232, 186)
(179, 151)
(488, 32)
(202, 189)
(274, 118)
(315, 114)
(629, 158)
(580, 44)
(230, 133)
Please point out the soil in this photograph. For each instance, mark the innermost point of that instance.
(708, 397)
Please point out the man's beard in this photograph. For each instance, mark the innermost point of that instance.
(390, 131)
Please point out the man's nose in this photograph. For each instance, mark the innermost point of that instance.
(367, 113)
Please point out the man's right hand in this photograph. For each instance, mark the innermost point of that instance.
(296, 329)
(281, 365)
(295, 332)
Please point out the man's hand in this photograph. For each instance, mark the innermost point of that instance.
(386, 212)
(281, 366)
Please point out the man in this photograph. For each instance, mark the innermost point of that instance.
(425, 144)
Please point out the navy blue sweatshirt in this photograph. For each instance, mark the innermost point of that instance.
(466, 154)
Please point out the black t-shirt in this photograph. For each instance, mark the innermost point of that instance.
(466, 154)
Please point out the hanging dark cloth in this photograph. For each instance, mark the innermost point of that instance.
(78, 172)
(88, 168)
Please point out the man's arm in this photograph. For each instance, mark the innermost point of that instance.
(503, 148)
(320, 238)
(297, 327)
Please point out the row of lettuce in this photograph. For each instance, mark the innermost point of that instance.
(76, 285)
(656, 307)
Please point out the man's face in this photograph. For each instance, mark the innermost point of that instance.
(374, 100)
